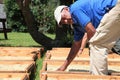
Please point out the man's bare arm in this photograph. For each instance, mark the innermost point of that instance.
(72, 54)
(90, 30)
(83, 44)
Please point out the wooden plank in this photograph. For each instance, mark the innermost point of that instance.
(80, 62)
(16, 66)
(69, 76)
(61, 54)
(113, 56)
(56, 56)
(60, 62)
(44, 66)
(78, 69)
(14, 76)
(19, 49)
(17, 56)
(58, 50)
(77, 66)
(65, 51)
(62, 75)
(17, 53)
(46, 74)
(61, 48)
(43, 76)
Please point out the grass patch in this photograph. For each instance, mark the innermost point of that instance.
(16, 39)
(39, 63)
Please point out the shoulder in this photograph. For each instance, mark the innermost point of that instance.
(79, 5)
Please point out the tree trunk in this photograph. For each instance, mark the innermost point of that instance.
(66, 2)
(40, 38)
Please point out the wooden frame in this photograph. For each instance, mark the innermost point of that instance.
(52, 63)
(17, 76)
(76, 76)
(3, 20)
(27, 66)
(50, 67)
(20, 53)
(61, 54)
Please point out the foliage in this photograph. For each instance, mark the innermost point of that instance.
(41, 9)
(43, 13)
(15, 18)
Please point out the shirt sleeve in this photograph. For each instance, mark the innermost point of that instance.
(78, 32)
(81, 17)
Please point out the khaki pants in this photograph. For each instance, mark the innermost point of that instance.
(107, 33)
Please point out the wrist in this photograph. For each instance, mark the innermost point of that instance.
(81, 49)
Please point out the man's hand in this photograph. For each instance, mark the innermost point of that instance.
(79, 52)
(83, 44)
(62, 68)
(72, 54)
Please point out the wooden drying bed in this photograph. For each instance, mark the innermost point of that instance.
(19, 53)
(16, 66)
(76, 71)
(23, 56)
(19, 49)
(61, 54)
(14, 76)
(79, 67)
(75, 76)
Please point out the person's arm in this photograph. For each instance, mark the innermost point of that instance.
(83, 44)
(90, 30)
(74, 49)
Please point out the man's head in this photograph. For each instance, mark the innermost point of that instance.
(62, 15)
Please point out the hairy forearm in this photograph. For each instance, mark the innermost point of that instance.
(72, 54)
(84, 41)
(90, 30)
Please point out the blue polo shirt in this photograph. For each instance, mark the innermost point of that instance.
(85, 11)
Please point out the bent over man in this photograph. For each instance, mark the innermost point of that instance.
(100, 19)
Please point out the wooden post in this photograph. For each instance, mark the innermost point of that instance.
(3, 18)
(4, 28)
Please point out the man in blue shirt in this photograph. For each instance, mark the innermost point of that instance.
(100, 19)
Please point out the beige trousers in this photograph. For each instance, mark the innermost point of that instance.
(105, 37)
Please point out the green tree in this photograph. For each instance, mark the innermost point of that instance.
(43, 13)
(41, 10)
(15, 19)
(36, 16)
